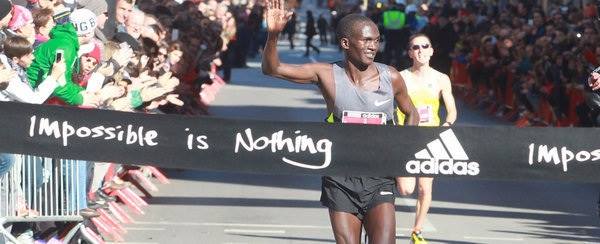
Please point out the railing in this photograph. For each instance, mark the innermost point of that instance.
(42, 189)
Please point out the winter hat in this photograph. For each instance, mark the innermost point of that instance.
(84, 21)
(21, 17)
(98, 7)
(5, 8)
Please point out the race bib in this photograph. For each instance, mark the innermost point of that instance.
(358, 117)
(425, 114)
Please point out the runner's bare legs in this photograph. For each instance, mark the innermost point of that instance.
(406, 186)
(346, 227)
(380, 224)
(359, 41)
(423, 201)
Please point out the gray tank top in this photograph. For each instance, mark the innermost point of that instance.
(350, 97)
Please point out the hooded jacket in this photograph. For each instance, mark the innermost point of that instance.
(62, 37)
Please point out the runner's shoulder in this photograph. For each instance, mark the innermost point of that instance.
(319, 67)
(439, 74)
(394, 73)
(323, 71)
(392, 69)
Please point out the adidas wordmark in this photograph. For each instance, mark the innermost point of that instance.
(445, 156)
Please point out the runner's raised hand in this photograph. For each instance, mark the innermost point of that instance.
(277, 16)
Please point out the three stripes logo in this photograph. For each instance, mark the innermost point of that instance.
(445, 156)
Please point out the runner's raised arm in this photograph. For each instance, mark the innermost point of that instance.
(277, 16)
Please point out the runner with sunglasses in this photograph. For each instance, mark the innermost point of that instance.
(351, 88)
(425, 85)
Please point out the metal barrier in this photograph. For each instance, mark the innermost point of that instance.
(40, 189)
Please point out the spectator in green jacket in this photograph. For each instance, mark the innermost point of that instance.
(67, 38)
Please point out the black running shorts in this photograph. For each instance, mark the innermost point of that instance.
(356, 195)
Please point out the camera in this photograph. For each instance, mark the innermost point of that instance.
(59, 55)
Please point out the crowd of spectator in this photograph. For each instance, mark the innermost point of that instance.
(149, 56)
(526, 61)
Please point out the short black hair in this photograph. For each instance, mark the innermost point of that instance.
(347, 25)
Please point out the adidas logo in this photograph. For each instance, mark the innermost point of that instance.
(445, 156)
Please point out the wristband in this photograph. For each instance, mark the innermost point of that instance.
(136, 99)
(449, 123)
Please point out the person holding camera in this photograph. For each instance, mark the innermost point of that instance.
(18, 57)
(68, 38)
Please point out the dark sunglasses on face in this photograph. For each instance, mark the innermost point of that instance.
(416, 47)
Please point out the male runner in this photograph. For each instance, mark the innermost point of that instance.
(358, 84)
(425, 85)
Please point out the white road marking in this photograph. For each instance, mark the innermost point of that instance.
(246, 231)
(142, 228)
(235, 225)
(492, 238)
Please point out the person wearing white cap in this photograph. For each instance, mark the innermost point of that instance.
(100, 9)
(67, 40)
(85, 22)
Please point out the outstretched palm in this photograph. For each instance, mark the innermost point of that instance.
(277, 16)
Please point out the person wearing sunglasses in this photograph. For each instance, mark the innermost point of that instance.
(425, 85)
(359, 84)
